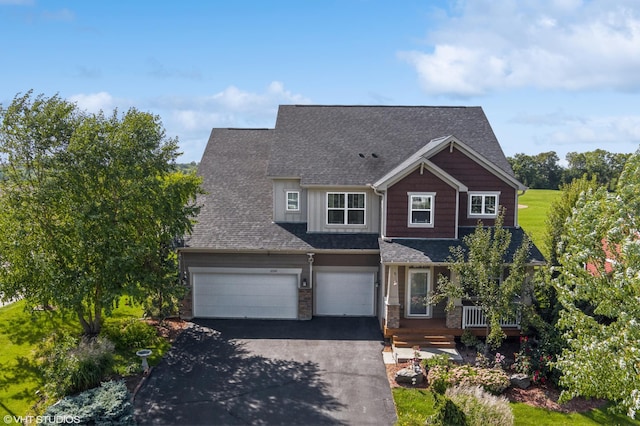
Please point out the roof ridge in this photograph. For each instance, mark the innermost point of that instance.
(380, 106)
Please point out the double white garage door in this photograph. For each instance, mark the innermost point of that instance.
(273, 293)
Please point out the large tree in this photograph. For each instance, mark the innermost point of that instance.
(483, 273)
(599, 288)
(91, 206)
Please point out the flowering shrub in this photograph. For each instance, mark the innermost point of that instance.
(490, 379)
(534, 362)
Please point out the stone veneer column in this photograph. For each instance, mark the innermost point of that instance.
(392, 302)
(454, 317)
(305, 303)
(186, 306)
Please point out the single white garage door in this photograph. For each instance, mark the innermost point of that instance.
(345, 293)
(245, 295)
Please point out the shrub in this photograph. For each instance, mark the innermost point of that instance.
(108, 404)
(479, 407)
(70, 365)
(535, 361)
(469, 339)
(490, 379)
(131, 334)
(442, 359)
(447, 413)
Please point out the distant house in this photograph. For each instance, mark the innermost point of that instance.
(345, 210)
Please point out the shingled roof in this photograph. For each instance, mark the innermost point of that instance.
(420, 251)
(237, 210)
(322, 146)
(356, 145)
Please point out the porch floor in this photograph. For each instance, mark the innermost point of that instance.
(438, 326)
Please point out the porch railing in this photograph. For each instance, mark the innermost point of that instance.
(472, 316)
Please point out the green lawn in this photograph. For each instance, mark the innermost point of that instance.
(415, 405)
(532, 218)
(21, 332)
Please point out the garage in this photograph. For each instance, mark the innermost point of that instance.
(245, 293)
(345, 292)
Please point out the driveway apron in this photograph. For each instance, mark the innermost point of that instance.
(250, 372)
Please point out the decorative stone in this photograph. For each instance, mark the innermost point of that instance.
(410, 376)
(521, 381)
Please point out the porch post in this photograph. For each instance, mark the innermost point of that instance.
(454, 316)
(392, 300)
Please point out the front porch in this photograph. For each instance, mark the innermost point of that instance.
(438, 327)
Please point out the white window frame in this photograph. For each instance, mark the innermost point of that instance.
(432, 210)
(297, 201)
(429, 308)
(484, 195)
(346, 209)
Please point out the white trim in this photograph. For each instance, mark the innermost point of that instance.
(432, 209)
(286, 200)
(429, 308)
(346, 208)
(213, 270)
(483, 194)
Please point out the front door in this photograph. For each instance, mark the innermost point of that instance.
(418, 292)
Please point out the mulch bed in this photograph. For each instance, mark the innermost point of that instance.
(537, 396)
(169, 329)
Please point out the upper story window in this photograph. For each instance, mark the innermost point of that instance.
(345, 208)
(421, 209)
(293, 201)
(483, 204)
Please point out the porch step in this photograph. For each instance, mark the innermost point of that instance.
(409, 340)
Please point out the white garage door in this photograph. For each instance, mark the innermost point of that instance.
(245, 295)
(345, 293)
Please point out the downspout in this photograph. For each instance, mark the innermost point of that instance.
(517, 215)
(310, 260)
(383, 215)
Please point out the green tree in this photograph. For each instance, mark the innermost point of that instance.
(599, 288)
(483, 274)
(541, 171)
(604, 166)
(561, 209)
(91, 206)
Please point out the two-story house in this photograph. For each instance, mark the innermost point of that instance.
(344, 210)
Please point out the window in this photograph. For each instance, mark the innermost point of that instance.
(421, 209)
(293, 201)
(483, 204)
(345, 208)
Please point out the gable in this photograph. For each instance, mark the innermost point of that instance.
(357, 145)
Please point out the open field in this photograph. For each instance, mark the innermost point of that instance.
(532, 215)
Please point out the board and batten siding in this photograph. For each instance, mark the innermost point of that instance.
(280, 212)
(317, 211)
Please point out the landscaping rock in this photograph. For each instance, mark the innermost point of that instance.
(521, 381)
(409, 376)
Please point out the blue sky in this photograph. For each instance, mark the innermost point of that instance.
(551, 75)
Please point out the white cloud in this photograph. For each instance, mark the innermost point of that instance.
(100, 101)
(604, 132)
(547, 44)
(193, 118)
(232, 107)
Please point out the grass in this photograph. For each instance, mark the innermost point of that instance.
(415, 405)
(21, 331)
(533, 217)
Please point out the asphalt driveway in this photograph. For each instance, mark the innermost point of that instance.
(225, 372)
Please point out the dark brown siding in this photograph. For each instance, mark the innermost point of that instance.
(398, 207)
(476, 178)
